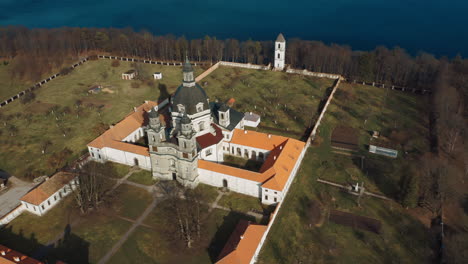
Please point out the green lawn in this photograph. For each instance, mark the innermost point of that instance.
(160, 245)
(120, 169)
(403, 239)
(130, 201)
(142, 177)
(29, 127)
(209, 192)
(290, 100)
(92, 234)
(241, 203)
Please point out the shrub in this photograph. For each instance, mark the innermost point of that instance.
(135, 85)
(115, 63)
(66, 71)
(28, 97)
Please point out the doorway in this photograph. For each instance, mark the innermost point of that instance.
(135, 161)
(174, 176)
(225, 183)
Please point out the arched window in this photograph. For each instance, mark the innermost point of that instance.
(279, 45)
(253, 155)
(246, 153)
(135, 161)
(278, 55)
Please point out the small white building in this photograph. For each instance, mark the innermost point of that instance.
(251, 119)
(49, 193)
(157, 75)
(129, 75)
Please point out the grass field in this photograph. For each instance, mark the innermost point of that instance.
(93, 234)
(142, 177)
(284, 101)
(403, 239)
(240, 203)
(159, 245)
(55, 116)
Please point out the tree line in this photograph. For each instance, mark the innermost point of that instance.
(38, 51)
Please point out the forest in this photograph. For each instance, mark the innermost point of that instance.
(441, 176)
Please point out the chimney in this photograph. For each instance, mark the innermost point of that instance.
(241, 237)
(245, 131)
(3, 252)
(269, 135)
(281, 147)
(134, 108)
(16, 259)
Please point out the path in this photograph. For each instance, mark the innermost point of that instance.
(11, 196)
(124, 238)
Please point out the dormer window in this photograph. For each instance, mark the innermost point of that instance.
(181, 108)
(199, 107)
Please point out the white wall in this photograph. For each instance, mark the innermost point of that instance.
(127, 158)
(249, 150)
(135, 135)
(12, 215)
(53, 200)
(271, 195)
(217, 154)
(235, 184)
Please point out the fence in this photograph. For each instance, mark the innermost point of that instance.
(393, 87)
(150, 61)
(38, 85)
(315, 74)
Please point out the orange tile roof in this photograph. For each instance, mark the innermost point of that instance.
(275, 171)
(240, 173)
(8, 256)
(247, 244)
(113, 137)
(47, 188)
(256, 139)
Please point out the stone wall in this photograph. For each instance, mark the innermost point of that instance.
(315, 74)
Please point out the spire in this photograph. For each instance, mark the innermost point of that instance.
(280, 38)
(187, 65)
(188, 73)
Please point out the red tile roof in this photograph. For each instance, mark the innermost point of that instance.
(242, 243)
(209, 139)
(46, 189)
(275, 171)
(9, 256)
(113, 137)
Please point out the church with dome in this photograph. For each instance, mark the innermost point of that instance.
(186, 138)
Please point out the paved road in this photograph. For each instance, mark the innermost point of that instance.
(9, 198)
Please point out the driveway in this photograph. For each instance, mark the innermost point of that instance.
(9, 198)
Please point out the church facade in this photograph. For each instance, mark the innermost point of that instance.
(187, 137)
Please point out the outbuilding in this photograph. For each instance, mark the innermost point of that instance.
(129, 75)
(157, 75)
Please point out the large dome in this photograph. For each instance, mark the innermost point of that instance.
(189, 97)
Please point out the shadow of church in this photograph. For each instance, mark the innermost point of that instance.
(70, 249)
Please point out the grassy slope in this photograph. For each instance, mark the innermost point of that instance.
(403, 238)
(36, 124)
(261, 92)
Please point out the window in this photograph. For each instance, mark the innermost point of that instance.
(266, 190)
(266, 197)
(199, 107)
(42, 206)
(172, 162)
(275, 200)
(154, 139)
(185, 155)
(278, 55)
(209, 152)
(201, 126)
(222, 115)
(185, 144)
(276, 192)
(92, 154)
(99, 156)
(48, 202)
(279, 45)
(26, 205)
(55, 197)
(34, 207)
(181, 108)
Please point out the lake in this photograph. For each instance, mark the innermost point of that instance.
(438, 27)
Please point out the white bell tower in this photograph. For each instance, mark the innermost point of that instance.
(280, 49)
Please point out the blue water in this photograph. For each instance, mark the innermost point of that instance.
(439, 27)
